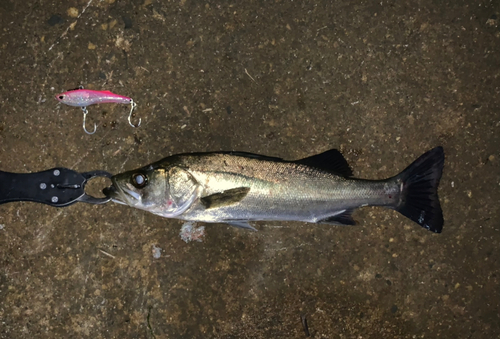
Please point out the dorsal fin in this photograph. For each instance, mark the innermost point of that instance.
(332, 161)
(253, 156)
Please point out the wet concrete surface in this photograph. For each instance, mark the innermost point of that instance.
(381, 81)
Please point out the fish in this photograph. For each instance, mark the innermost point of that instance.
(237, 188)
(87, 97)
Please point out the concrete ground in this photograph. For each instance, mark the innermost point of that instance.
(382, 81)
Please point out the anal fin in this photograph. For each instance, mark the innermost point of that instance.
(344, 218)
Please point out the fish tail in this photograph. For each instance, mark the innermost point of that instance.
(419, 183)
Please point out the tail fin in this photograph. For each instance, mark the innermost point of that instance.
(419, 198)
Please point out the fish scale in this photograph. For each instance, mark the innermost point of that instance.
(278, 191)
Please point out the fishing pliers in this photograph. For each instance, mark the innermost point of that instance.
(58, 187)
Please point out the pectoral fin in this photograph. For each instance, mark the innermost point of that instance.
(225, 198)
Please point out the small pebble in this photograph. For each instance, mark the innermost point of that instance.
(73, 12)
(156, 252)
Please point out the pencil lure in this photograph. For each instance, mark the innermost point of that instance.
(86, 97)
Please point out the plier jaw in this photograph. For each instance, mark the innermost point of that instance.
(88, 198)
(58, 187)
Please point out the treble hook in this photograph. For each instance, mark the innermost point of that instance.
(84, 109)
(133, 105)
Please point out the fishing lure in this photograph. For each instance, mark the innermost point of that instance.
(85, 97)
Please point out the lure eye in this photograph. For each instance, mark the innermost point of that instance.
(139, 180)
(61, 97)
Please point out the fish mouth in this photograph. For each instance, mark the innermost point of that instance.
(109, 191)
(113, 193)
(121, 195)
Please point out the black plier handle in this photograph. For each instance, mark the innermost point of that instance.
(58, 187)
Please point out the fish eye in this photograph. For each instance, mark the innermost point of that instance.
(61, 97)
(139, 180)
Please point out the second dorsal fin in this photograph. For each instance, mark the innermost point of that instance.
(332, 161)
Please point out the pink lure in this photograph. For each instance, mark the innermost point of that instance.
(86, 97)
